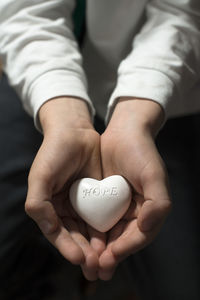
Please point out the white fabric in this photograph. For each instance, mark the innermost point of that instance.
(139, 48)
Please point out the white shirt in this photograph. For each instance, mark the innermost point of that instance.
(138, 48)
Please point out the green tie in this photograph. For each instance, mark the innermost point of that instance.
(79, 19)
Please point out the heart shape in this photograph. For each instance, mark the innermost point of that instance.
(101, 203)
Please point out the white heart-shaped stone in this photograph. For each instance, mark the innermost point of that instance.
(102, 203)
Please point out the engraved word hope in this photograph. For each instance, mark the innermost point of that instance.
(99, 191)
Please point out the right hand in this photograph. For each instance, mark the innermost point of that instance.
(70, 150)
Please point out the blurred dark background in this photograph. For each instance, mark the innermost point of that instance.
(31, 269)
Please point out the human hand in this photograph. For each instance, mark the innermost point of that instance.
(128, 149)
(70, 150)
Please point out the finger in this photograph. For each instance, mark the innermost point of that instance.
(134, 208)
(157, 204)
(97, 240)
(63, 241)
(41, 210)
(107, 260)
(82, 228)
(39, 207)
(107, 265)
(131, 241)
(90, 265)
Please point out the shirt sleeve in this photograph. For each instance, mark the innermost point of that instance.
(39, 52)
(164, 62)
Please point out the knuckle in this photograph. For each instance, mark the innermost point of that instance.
(167, 207)
(31, 208)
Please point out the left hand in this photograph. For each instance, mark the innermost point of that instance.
(128, 149)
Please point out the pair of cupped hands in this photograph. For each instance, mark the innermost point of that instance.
(72, 149)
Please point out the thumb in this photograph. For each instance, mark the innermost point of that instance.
(39, 207)
(157, 204)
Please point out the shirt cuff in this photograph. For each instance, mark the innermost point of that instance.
(145, 84)
(51, 85)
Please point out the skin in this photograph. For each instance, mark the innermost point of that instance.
(72, 149)
(128, 149)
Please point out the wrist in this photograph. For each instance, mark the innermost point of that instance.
(137, 114)
(64, 112)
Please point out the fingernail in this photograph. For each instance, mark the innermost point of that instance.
(46, 226)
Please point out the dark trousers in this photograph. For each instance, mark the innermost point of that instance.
(31, 269)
